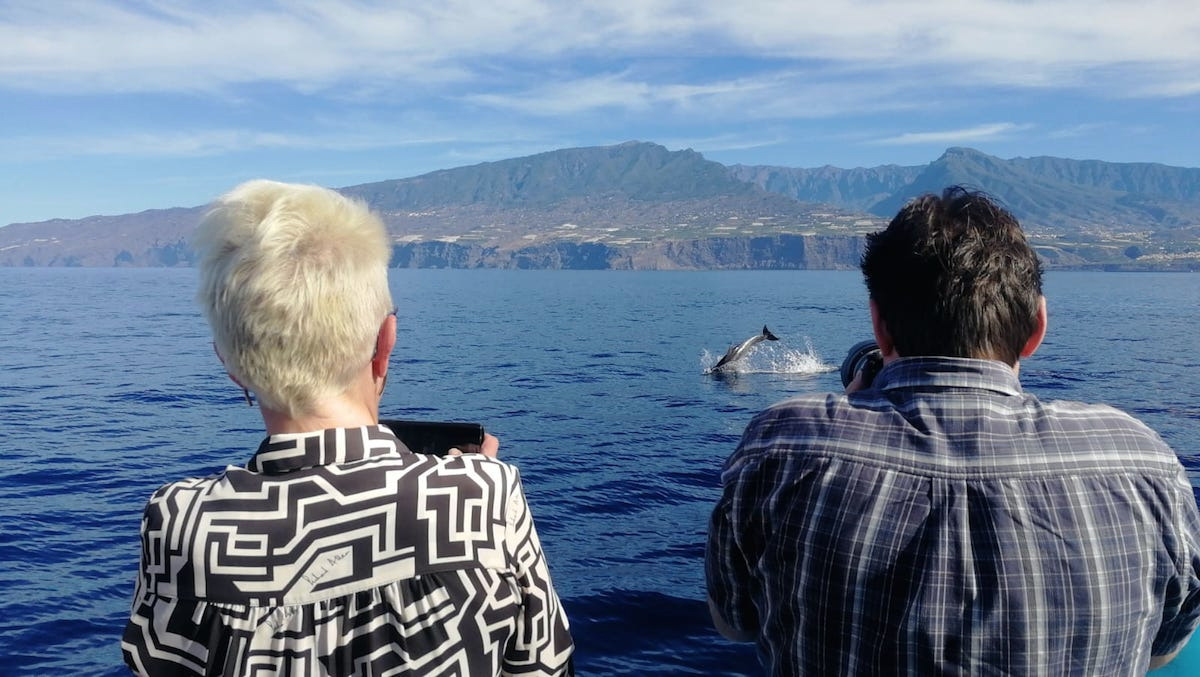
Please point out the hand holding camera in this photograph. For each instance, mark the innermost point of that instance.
(864, 357)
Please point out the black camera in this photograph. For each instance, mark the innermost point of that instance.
(437, 437)
(863, 356)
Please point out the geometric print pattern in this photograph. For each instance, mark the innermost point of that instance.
(945, 522)
(340, 552)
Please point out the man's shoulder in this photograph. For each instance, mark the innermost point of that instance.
(1091, 409)
(940, 433)
(817, 413)
(793, 422)
(1100, 419)
(814, 405)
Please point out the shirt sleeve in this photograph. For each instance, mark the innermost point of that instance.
(542, 644)
(727, 565)
(151, 643)
(727, 575)
(134, 641)
(1181, 607)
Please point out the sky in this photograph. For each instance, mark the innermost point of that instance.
(117, 107)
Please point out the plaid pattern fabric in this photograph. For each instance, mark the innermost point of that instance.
(944, 522)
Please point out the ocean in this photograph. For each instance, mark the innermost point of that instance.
(593, 381)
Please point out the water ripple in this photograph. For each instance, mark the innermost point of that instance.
(593, 382)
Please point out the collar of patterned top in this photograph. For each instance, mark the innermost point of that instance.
(948, 372)
(293, 451)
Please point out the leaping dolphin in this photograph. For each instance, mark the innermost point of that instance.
(738, 351)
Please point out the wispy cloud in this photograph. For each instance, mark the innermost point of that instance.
(491, 152)
(1183, 86)
(787, 94)
(724, 142)
(954, 136)
(619, 90)
(205, 143)
(1076, 131)
(209, 90)
(313, 45)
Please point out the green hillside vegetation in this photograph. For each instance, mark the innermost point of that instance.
(1081, 213)
(639, 205)
(643, 172)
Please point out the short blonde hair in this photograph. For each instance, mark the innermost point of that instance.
(293, 281)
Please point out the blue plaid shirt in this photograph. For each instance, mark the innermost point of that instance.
(945, 522)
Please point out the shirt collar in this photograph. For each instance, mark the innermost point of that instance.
(948, 372)
(292, 451)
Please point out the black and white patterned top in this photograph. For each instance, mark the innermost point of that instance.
(946, 522)
(340, 552)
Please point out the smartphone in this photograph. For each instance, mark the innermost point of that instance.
(437, 437)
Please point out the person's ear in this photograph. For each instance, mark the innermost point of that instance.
(227, 372)
(883, 338)
(385, 341)
(1039, 330)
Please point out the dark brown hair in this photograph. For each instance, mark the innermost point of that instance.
(953, 276)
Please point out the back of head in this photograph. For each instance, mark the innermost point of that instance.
(293, 281)
(953, 276)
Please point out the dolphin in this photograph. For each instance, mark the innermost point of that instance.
(738, 351)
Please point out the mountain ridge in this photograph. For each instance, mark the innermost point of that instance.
(640, 205)
(633, 170)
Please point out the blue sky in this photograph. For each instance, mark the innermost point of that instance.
(116, 107)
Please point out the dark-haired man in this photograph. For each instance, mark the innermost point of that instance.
(941, 520)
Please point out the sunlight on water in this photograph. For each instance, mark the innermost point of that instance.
(773, 358)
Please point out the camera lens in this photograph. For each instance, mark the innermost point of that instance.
(856, 359)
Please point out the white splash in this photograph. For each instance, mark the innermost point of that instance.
(772, 358)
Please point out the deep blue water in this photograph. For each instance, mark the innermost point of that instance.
(592, 380)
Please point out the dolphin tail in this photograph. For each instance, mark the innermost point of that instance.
(768, 335)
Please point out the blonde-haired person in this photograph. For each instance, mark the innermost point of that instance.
(335, 550)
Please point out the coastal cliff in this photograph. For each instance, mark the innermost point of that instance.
(779, 252)
(639, 206)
